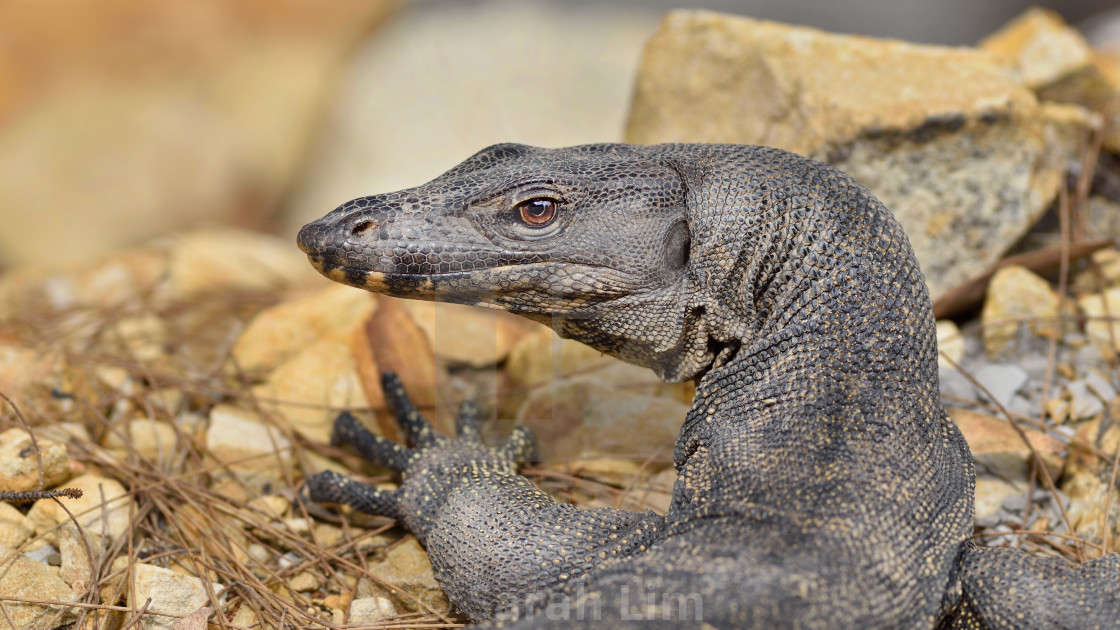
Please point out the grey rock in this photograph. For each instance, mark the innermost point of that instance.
(42, 554)
(1083, 402)
(1001, 381)
(1100, 386)
(955, 384)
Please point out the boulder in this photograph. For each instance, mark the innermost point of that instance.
(948, 138)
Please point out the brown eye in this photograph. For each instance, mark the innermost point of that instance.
(537, 212)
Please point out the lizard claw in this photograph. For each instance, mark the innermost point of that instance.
(466, 423)
(380, 451)
(416, 428)
(520, 446)
(331, 487)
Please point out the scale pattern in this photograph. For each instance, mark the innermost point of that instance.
(820, 485)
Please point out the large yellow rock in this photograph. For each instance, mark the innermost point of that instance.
(466, 335)
(542, 363)
(947, 137)
(278, 332)
(309, 389)
(583, 417)
(22, 577)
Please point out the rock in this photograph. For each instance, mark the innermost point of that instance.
(170, 592)
(955, 384)
(225, 259)
(1083, 403)
(75, 567)
(238, 438)
(963, 154)
(113, 583)
(1103, 434)
(1088, 496)
(1017, 297)
(142, 337)
(299, 526)
(1055, 60)
(1108, 64)
(113, 519)
(1100, 385)
(15, 528)
(950, 342)
(19, 464)
(278, 332)
(1098, 309)
(1103, 214)
(466, 335)
(543, 361)
(23, 577)
(543, 358)
(583, 418)
(1104, 268)
(112, 280)
(991, 493)
(328, 535)
(369, 610)
(999, 451)
(392, 340)
(245, 617)
(103, 128)
(27, 375)
(304, 582)
(154, 440)
(1002, 382)
(273, 505)
(407, 567)
(309, 389)
(1051, 58)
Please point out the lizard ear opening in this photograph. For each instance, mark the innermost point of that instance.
(678, 247)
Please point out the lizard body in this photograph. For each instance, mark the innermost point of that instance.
(820, 482)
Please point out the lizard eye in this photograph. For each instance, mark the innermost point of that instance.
(538, 212)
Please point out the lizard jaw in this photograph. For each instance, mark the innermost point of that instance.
(466, 287)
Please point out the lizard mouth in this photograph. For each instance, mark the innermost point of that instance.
(514, 287)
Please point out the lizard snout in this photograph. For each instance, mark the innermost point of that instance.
(319, 237)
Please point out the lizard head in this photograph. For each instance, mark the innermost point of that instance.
(593, 241)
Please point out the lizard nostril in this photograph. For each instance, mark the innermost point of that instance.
(362, 227)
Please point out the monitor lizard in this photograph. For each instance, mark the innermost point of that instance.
(820, 482)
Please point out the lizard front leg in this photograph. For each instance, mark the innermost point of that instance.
(495, 539)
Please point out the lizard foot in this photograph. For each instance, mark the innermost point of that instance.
(430, 451)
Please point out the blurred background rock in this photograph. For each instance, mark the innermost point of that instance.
(121, 120)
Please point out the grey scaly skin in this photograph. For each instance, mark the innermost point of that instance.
(820, 482)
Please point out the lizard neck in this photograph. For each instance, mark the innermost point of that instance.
(823, 317)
